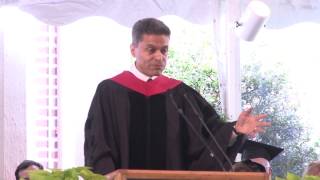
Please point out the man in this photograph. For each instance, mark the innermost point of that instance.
(256, 157)
(23, 169)
(141, 119)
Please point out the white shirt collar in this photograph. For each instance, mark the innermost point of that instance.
(139, 74)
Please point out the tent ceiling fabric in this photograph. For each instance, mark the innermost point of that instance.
(126, 12)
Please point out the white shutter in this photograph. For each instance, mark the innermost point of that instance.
(42, 95)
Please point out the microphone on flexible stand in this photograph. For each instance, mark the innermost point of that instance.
(180, 111)
(208, 131)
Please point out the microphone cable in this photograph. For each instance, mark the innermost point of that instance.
(180, 111)
(208, 130)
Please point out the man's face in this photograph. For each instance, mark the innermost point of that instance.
(151, 54)
(24, 174)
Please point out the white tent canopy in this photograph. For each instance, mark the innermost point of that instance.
(59, 12)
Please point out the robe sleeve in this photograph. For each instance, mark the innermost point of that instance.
(221, 130)
(97, 152)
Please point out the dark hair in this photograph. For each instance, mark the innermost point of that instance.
(148, 26)
(24, 165)
(248, 166)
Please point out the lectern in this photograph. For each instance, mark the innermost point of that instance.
(124, 174)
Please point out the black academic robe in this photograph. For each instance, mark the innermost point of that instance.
(134, 124)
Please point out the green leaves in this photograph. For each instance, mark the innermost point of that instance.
(267, 89)
(68, 174)
(311, 178)
(291, 176)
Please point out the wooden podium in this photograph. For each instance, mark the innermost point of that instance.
(124, 174)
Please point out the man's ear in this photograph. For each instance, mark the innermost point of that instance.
(133, 47)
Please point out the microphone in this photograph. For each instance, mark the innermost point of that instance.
(180, 111)
(208, 130)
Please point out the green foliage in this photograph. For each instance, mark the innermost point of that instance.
(197, 73)
(291, 176)
(269, 92)
(311, 178)
(68, 174)
(191, 60)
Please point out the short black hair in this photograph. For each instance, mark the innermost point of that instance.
(248, 166)
(24, 165)
(148, 26)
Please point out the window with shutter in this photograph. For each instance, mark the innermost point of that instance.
(42, 98)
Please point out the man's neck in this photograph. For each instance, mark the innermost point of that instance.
(134, 70)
